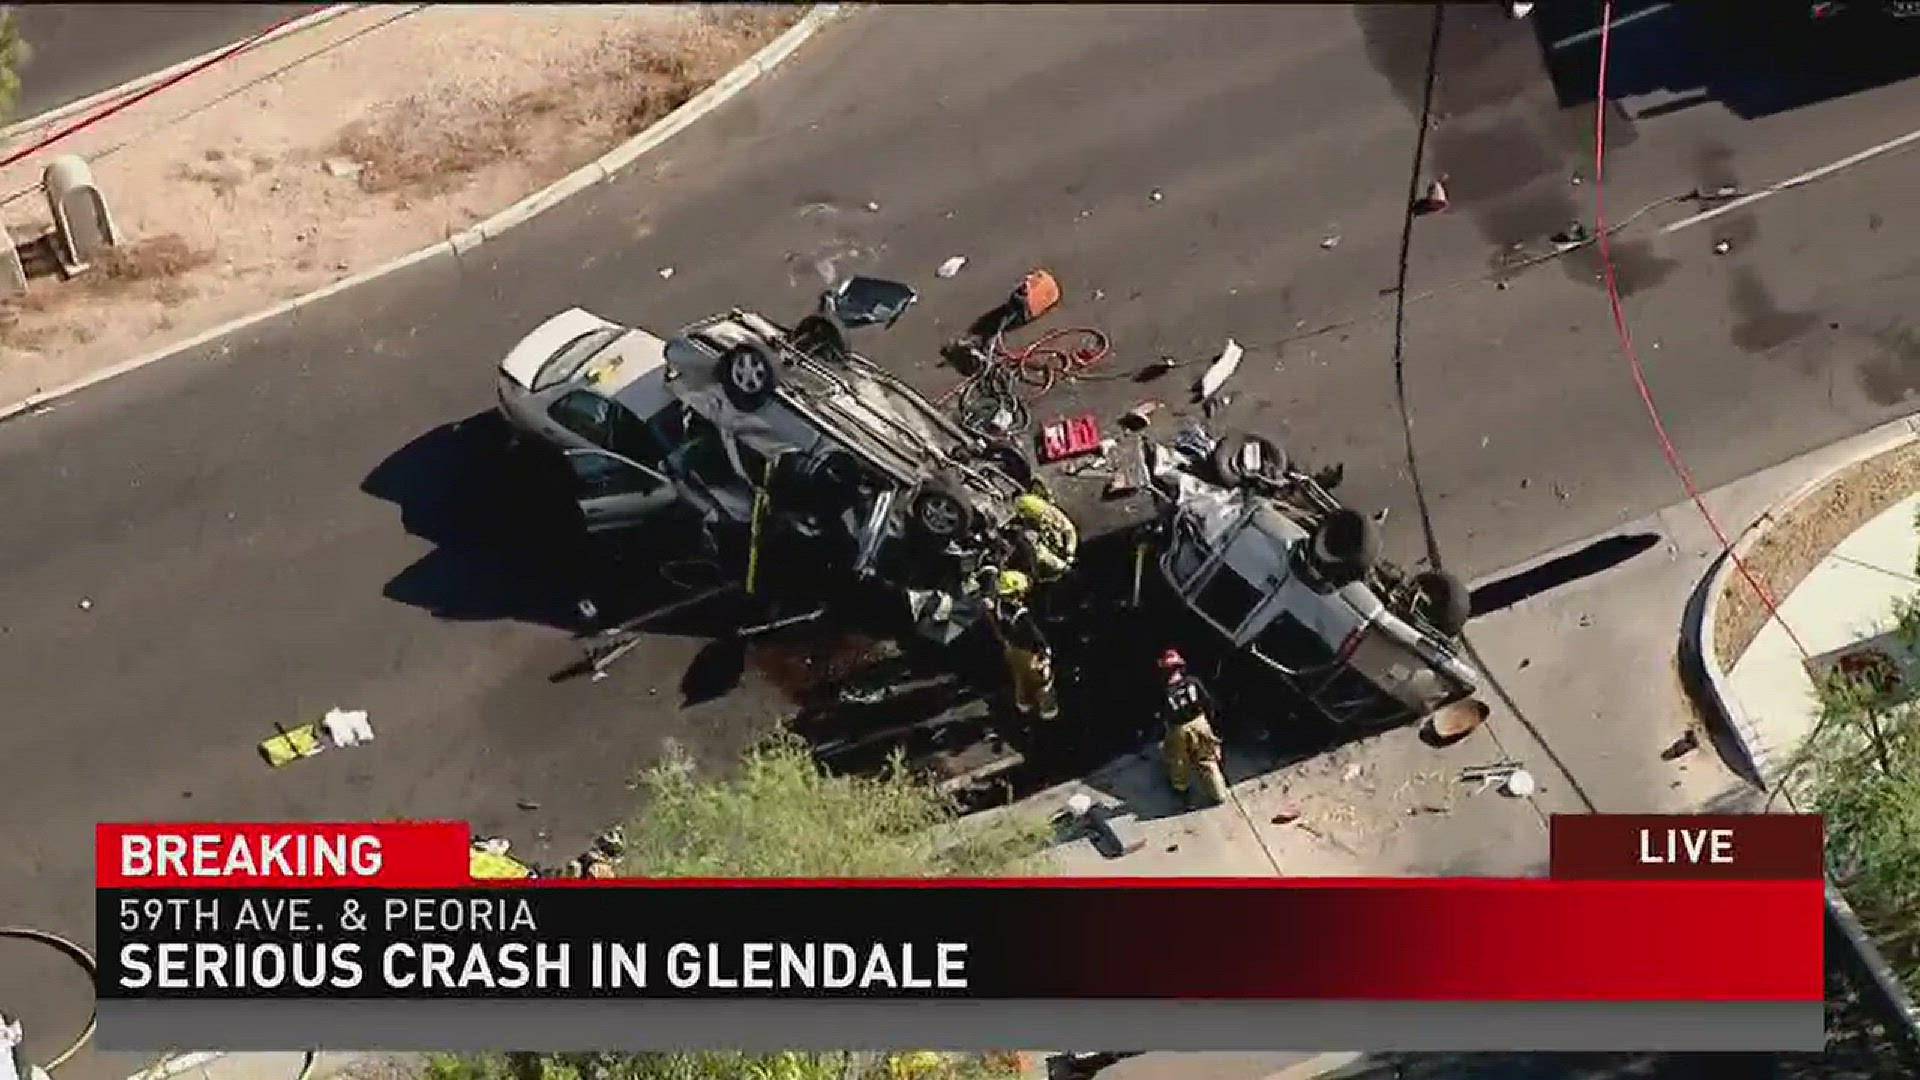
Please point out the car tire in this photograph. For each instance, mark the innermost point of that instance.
(1445, 601)
(821, 336)
(1227, 466)
(749, 375)
(1011, 458)
(939, 514)
(1344, 546)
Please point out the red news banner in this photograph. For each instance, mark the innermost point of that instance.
(1638, 909)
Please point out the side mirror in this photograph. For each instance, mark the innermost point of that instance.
(865, 301)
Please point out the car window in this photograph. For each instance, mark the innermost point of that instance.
(567, 362)
(606, 423)
(603, 475)
(1287, 641)
(1227, 599)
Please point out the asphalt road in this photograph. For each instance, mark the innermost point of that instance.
(82, 49)
(288, 520)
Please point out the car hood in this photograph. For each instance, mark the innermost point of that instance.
(526, 359)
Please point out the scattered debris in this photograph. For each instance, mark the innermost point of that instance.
(1155, 195)
(1488, 775)
(1520, 784)
(1576, 179)
(346, 727)
(1380, 515)
(1681, 747)
(1220, 370)
(1156, 369)
(86, 604)
(1351, 773)
(1070, 438)
(1120, 485)
(1079, 804)
(588, 610)
(1723, 247)
(1434, 201)
(951, 266)
(342, 168)
(1330, 242)
(1138, 417)
(1214, 406)
(339, 727)
(1573, 235)
(1099, 294)
(666, 272)
(1288, 815)
(1585, 619)
(873, 207)
(527, 804)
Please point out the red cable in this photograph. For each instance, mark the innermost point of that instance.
(1633, 354)
(134, 99)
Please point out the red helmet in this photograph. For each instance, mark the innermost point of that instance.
(1171, 660)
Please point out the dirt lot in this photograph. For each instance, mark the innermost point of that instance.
(319, 155)
(1796, 542)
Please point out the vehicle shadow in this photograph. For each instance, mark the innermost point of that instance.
(502, 549)
(1754, 59)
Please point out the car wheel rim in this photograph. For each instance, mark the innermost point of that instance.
(939, 517)
(749, 374)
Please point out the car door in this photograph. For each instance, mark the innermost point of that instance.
(614, 492)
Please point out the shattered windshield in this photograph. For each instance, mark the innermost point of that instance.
(573, 356)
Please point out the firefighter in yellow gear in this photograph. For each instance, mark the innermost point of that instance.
(1192, 749)
(1046, 537)
(1029, 657)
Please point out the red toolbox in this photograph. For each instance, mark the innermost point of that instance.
(1069, 438)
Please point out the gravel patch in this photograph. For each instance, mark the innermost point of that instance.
(1796, 542)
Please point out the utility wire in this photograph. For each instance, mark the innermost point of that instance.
(314, 54)
(1400, 300)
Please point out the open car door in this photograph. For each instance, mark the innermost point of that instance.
(614, 492)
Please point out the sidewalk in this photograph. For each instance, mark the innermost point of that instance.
(331, 151)
(1843, 611)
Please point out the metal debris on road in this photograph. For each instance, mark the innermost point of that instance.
(527, 804)
(1572, 236)
(951, 266)
(1488, 775)
(1156, 369)
(666, 272)
(86, 604)
(1138, 417)
(1220, 370)
(1681, 747)
(1099, 294)
(873, 208)
(1723, 247)
(1155, 195)
(1330, 242)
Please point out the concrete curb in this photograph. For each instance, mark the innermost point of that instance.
(603, 168)
(1699, 648)
(128, 89)
(1712, 691)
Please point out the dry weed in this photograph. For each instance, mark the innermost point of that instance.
(426, 146)
(145, 269)
(1796, 542)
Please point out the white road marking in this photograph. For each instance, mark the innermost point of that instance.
(1591, 34)
(1808, 177)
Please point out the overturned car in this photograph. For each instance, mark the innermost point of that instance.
(749, 424)
(1290, 586)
